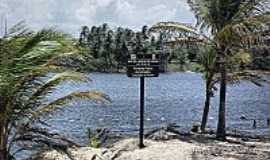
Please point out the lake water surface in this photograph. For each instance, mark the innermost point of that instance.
(171, 98)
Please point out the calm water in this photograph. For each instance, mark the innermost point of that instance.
(171, 98)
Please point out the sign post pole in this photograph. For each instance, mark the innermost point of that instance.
(141, 66)
(141, 145)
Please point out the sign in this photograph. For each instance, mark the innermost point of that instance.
(143, 65)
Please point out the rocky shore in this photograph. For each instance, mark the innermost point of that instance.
(169, 144)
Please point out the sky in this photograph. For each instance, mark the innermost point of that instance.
(70, 15)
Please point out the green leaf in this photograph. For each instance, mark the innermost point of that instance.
(174, 26)
(91, 95)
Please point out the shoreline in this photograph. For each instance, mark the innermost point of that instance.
(168, 144)
(262, 72)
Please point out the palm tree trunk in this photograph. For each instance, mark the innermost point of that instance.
(206, 105)
(110, 60)
(3, 130)
(3, 141)
(106, 61)
(221, 127)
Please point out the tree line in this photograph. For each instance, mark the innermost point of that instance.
(109, 49)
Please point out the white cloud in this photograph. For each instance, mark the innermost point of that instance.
(70, 15)
(134, 15)
(160, 13)
(102, 3)
(126, 12)
(86, 13)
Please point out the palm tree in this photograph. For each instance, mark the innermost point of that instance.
(230, 25)
(108, 49)
(188, 36)
(233, 25)
(207, 58)
(119, 36)
(85, 34)
(25, 56)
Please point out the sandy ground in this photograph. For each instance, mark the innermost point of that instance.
(198, 147)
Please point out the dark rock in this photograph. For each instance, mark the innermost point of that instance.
(171, 131)
(195, 128)
(243, 117)
(162, 135)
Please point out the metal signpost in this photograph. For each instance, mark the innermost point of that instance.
(142, 65)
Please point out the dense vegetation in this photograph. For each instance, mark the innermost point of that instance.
(109, 49)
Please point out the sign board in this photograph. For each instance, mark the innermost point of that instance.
(143, 65)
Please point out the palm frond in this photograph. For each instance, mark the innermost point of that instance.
(56, 80)
(255, 77)
(213, 15)
(40, 71)
(208, 59)
(185, 41)
(200, 9)
(173, 26)
(19, 30)
(56, 61)
(40, 56)
(31, 89)
(250, 8)
(91, 95)
(43, 35)
(184, 34)
(26, 53)
(252, 31)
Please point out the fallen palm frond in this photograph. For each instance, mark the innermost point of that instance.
(40, 139)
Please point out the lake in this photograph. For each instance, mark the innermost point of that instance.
(171, 98)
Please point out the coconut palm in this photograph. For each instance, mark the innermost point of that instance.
(233, 25)
(230, 26)
(25, 57)
(108, 50)
(187, 35)
(207, 58)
